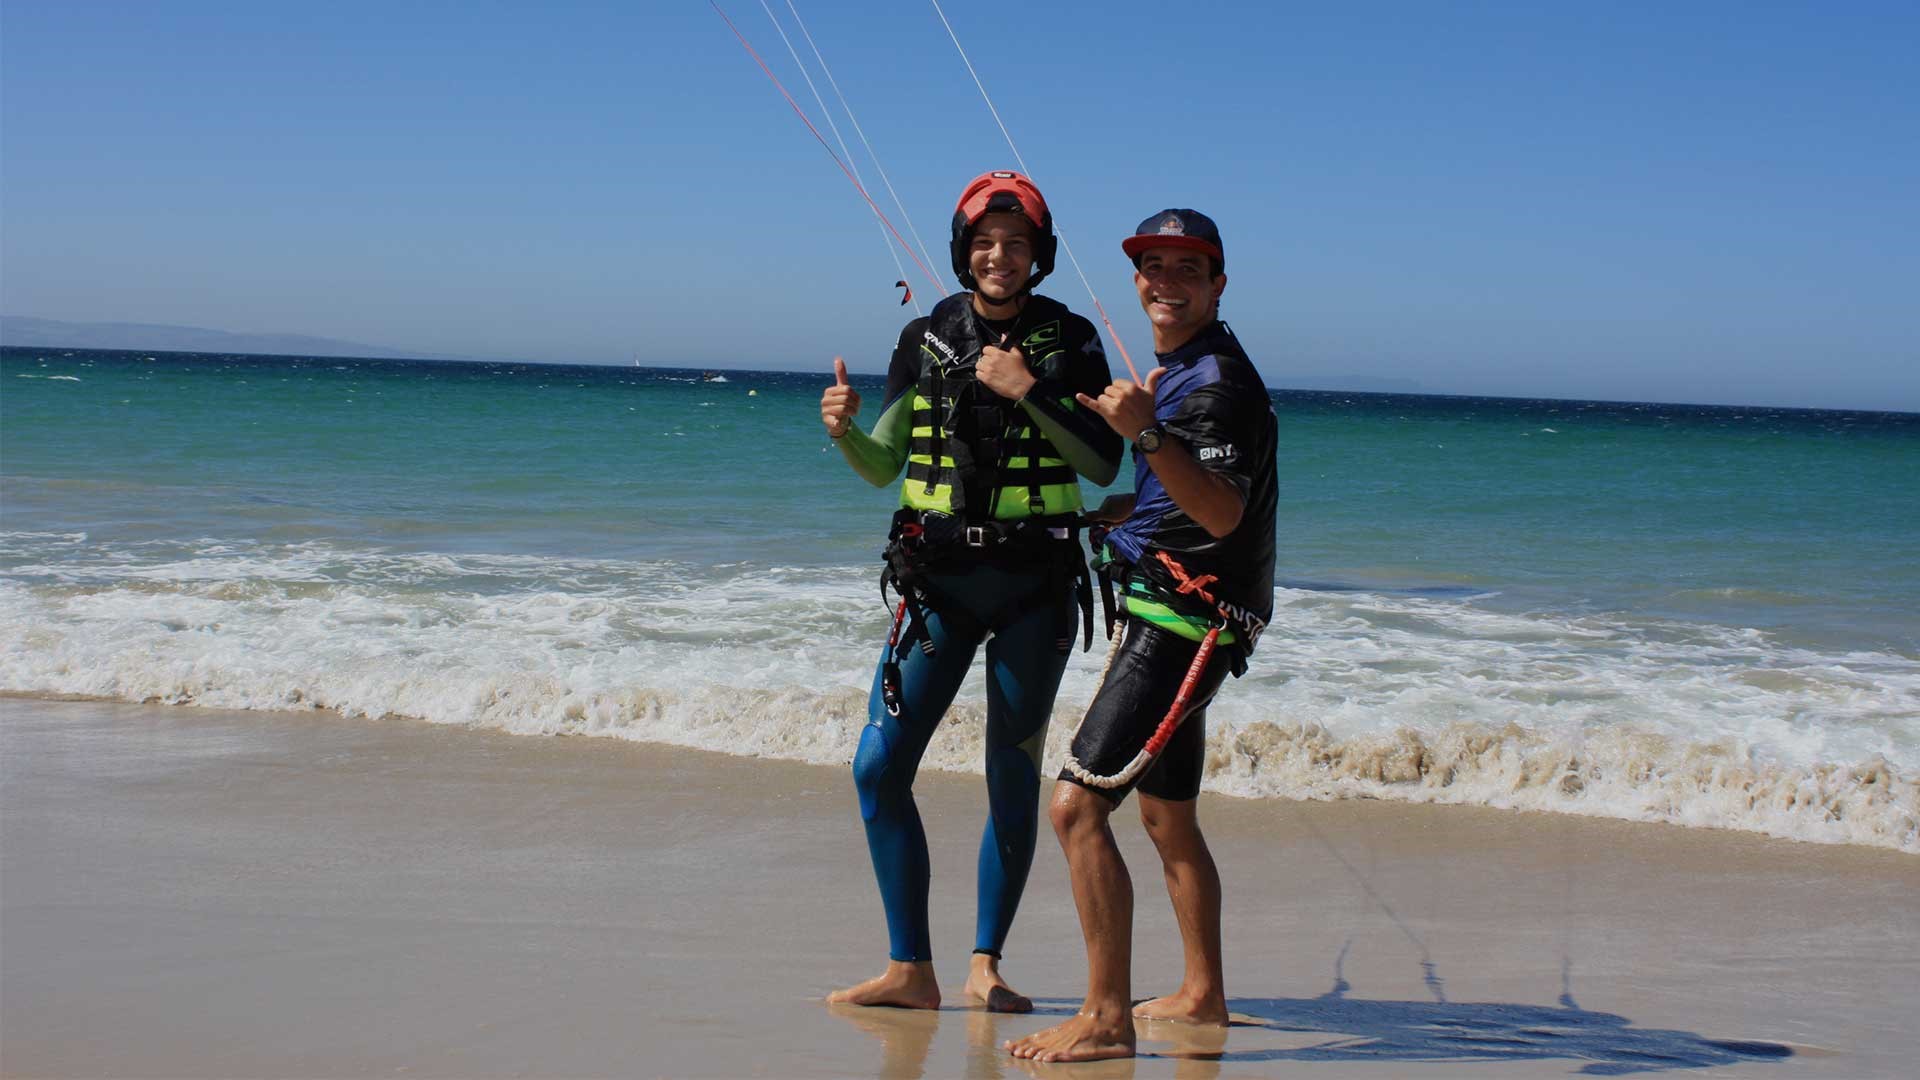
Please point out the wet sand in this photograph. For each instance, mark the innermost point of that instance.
(195, 893)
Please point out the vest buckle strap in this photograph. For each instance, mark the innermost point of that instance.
(976, 536)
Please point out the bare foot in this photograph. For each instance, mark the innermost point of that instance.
(985, 986)
(1084, 1037)
(1185, 1008)
(903, 985)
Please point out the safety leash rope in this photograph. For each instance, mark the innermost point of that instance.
(1176, 712)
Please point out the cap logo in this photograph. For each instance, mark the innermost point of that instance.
(1173, 227)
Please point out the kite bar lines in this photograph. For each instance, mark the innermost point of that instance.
(827, 114)
(1068, 248)
(872, 155)
(824, 145)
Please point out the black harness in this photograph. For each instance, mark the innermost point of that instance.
(921, 544)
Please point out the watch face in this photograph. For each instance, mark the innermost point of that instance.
(1149, 440)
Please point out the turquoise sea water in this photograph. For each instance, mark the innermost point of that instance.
(1694, 614)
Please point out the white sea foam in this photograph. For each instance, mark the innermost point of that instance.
(1351, 695)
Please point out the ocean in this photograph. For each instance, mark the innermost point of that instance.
(1705, 616)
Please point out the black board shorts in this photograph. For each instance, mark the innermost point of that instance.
(1131, 702)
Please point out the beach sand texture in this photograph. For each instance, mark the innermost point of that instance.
(196, 893)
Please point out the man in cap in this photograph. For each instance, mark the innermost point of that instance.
(1192, 555)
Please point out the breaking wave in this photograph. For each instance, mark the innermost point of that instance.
(1353, 694)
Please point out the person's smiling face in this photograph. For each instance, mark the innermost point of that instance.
(1001, 257)
(1178, 292)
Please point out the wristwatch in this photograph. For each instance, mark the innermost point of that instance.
(1149, 440)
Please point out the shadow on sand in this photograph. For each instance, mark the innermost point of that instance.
(1481, 1031)
(1334, 1027)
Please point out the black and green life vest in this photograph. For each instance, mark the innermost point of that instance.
(974, 453)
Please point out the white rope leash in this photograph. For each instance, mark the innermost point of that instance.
(1080, 772)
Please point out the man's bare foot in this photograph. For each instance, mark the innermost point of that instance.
(1084, 1037)
(904, 985)
(986, 987)
(1182, 1007)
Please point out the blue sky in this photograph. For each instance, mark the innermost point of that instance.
(1699, 201)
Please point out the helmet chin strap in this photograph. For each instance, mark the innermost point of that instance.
(1016, 301)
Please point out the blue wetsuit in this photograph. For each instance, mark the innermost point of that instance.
(1018, 606)
(1023, 672)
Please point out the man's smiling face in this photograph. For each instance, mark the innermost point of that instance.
(1177, 291)
(1001, 257)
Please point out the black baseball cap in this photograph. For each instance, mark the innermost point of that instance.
(1176, 228)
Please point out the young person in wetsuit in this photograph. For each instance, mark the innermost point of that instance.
(1205, 492)
(981, 411)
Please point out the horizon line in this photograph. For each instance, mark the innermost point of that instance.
(426, 359)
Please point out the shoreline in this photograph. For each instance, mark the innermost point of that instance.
(1871, 805)
(192, 892)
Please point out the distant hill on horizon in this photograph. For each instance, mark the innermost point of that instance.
(26, 332)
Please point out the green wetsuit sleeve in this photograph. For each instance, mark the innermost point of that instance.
(1082, 437)
(877, 457)
(1062, 420)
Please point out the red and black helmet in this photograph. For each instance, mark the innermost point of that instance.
(1002, 192)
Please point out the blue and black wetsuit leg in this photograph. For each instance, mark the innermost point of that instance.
(1024, 665)
(884, 768)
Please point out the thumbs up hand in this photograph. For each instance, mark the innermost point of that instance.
(841, 402)
(1003, 370)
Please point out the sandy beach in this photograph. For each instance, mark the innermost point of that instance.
(187, 892)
